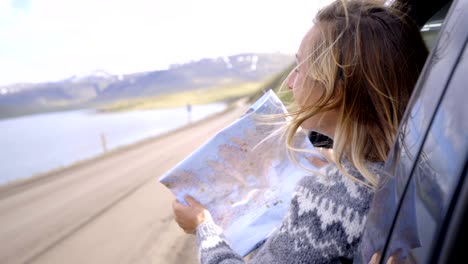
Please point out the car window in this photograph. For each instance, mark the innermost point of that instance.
(406, 154)
(431, 29)
(440, 166)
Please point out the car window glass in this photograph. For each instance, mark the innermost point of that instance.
(440, 165)
(431, 29)
(402, 158)
(423, 102)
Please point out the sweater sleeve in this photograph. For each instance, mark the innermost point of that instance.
(213, 247)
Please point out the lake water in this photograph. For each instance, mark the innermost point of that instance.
(39, 143)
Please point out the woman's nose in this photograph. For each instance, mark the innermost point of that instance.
(291, 79)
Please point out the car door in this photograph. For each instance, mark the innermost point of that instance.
(417, 213)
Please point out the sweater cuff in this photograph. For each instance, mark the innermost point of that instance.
(209, 236)
(208, 229)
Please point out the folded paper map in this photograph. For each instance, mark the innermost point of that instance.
(243, 175)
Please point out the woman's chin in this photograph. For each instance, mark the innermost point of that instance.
(310, 127)
(313, 123)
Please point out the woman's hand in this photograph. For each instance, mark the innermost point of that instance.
(394, 259)
(189, 217)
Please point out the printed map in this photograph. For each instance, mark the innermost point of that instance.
(243, 175)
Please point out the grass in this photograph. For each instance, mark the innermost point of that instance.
(275, 83)
(226, 93)
(194, 97)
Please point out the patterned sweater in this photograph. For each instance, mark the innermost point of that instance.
(323, 225)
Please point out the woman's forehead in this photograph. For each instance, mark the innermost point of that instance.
(308, 40)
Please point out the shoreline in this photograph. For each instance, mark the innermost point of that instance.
(17, 185)
(108, 209)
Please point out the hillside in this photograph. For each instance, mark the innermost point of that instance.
(100, 88)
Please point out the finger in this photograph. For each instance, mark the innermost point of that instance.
(191, 201)
(177, 206)
(190, 232)
(375, 258)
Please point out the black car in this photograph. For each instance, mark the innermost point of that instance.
(420, 213)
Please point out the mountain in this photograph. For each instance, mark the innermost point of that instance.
(99, 87)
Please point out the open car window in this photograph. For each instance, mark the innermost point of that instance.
(424, 167)
(430, 31)
(437, 172)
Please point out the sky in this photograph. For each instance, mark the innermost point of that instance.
(49, 40)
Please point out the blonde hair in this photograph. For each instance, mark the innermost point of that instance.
(367, 61)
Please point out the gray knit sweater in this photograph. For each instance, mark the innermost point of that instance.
(324, 224)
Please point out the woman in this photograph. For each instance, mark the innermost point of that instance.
(356, 70)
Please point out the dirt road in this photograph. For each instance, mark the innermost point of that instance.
(108, 210)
